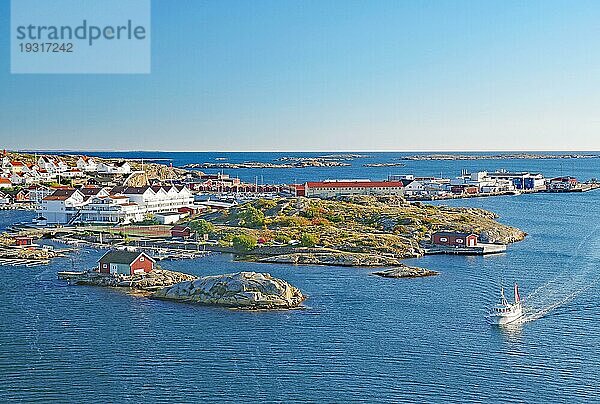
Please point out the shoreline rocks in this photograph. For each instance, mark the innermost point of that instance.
(259, 164)
(405, 271)
(154, 280)
(244, 290)
(342, 259)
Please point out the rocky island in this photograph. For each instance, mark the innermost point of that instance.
(349, 231)
(405, 271)
(244, 290)
(147, 282)
(507, 156)
(258, 164)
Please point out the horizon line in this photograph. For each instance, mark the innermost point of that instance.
(302, 151)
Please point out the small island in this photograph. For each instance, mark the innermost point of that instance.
(136, 273)
(505, 156)
(347, 231)
(242, 290)
(302, 163)
(405, 271)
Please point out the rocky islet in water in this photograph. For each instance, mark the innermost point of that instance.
(244, 290)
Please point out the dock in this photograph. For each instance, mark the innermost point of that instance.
(480, 249)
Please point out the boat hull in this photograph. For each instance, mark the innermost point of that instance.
(504, 319)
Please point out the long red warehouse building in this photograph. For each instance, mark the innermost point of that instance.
(329, 189)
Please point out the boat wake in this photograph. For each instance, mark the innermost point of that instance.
(568, 284)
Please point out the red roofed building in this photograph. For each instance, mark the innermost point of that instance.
(330, 189)
(16, 167)
(454, 239)
(181, 232)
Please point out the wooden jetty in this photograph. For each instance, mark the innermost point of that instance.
(480, 249)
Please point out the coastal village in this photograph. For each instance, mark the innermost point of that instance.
(143, 212)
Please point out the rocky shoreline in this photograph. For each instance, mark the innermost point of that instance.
(258, 164)
(405, 271)
(151, 281)
(517, 156)
(243, 290)
(332, 258)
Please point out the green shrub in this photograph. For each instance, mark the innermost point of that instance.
(309, 240)
(251, 217)
(265, 204)
(244, 242)
(201, 226)
(283, 238)
(292, 221)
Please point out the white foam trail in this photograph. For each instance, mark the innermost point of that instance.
(568, 284)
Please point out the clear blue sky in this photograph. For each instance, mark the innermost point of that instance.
(329, 75)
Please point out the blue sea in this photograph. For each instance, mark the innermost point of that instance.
(359, 338)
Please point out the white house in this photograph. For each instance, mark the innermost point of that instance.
(72, 173)
(5, 183)
(22, 179)
(169, 217)
(427, 186)
(62, 206)
(117, 205)
(5, 199)
(111, 209)
(52, 164)
(39, 192)
(158, 198)
(121, 167)
(87, 164)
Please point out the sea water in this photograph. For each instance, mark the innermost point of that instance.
(359, 337)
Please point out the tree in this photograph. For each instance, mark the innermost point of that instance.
(265, 203)
(309, 240)
(283, 238)
(251, 217)
(244, 242)
(201, 227)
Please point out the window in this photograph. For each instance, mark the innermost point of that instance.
(141, 259)
(443, 239)
(460, 240)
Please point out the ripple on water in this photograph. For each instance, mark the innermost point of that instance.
(361, 338)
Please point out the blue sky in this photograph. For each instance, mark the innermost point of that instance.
(329, 75)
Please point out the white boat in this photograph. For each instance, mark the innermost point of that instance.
(504, 312)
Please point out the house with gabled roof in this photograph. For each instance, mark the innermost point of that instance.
(121, 167)
(125, 263)
(62, 205)
(87, 164)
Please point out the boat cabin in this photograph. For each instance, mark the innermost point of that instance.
(125, 263)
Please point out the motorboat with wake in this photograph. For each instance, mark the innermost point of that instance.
(504, 312)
